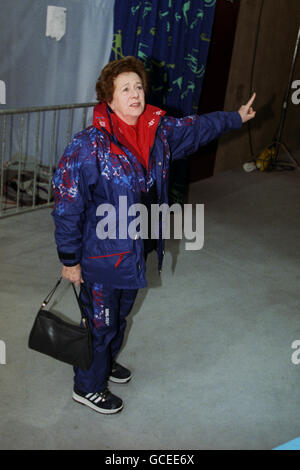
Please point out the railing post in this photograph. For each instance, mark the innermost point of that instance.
(2, 163)
(37, 138)
(20, 160)
(51, 155)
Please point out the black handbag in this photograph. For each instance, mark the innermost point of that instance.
(60, 339)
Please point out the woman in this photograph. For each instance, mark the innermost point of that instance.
(124, 156)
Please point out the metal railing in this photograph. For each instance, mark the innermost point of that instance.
(32, 141)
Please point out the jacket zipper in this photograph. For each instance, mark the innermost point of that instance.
(113, 254)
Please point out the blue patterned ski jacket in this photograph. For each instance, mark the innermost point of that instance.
(95, 169)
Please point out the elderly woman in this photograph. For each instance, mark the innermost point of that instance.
(126, 152)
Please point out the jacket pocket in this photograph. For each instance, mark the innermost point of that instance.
(120, 255)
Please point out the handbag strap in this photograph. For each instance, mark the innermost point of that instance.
(49, 296)
(83, 316)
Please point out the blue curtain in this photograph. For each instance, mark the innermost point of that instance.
(172, 39)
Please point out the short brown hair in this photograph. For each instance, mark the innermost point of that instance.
(105, 83)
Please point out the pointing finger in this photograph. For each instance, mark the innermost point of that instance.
(251, 100)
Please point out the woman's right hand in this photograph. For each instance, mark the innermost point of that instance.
(72, 274)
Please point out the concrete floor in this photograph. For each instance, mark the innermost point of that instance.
(209, 342)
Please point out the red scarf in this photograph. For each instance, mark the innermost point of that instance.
(138, 138)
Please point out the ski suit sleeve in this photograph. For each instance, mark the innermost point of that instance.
(70, 202)
(185, 135)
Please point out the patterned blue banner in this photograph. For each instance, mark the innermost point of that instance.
(172, 38)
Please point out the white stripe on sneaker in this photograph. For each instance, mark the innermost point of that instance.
(96, 395)
(98, 399)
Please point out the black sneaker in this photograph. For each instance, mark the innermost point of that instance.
(103, 402)
(119, 374)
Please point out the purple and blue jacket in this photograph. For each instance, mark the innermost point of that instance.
(96, 169)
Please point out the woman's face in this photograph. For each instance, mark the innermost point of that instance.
(129, 98)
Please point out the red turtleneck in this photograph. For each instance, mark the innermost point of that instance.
(138, 138)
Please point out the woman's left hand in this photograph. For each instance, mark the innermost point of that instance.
(246, 111)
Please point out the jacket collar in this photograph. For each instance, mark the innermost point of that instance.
(150, 118)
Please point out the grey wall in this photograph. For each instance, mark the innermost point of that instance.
(39, 70)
